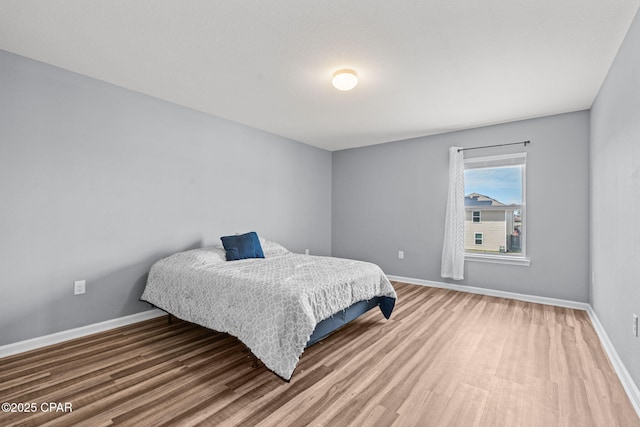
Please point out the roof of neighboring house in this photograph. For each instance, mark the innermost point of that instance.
(477, 199)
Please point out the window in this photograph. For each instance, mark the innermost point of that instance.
(495, 209)
(478, 238)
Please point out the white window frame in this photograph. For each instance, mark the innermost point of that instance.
(475, 238)
(473, 217)
(498, 161)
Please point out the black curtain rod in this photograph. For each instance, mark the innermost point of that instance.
(497, 145)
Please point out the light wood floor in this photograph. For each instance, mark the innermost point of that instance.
(445, 358)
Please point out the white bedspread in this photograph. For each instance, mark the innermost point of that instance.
(272, 305)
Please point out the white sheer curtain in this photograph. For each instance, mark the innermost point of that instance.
(453, 248)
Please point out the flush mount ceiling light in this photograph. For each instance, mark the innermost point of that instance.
(344, 79)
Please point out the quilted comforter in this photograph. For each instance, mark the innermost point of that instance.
(271, 304)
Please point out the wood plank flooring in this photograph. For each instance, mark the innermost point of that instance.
(444, 359)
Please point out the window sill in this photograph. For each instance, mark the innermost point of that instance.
(498, 259)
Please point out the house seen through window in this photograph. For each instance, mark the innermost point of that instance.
(495, 205)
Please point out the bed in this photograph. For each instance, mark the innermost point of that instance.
(277, 305)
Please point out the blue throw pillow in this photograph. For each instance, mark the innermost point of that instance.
(242, 246)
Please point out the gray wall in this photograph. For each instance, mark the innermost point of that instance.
(98, 182)
(615, 200)
(392, 197)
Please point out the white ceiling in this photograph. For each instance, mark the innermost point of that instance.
(425, 67)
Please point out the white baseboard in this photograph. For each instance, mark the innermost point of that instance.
(38, 342)
(628, 384)
(494, 293)
(625, 378)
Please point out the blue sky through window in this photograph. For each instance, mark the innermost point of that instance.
(501, 183)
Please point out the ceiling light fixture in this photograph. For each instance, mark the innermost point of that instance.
(344, 79)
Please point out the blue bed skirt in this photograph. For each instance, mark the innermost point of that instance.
(328, 325)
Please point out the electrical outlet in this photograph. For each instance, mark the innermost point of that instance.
(400, 254)
(635, 325)
(79, 287)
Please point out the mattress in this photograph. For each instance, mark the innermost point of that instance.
(271, 304)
